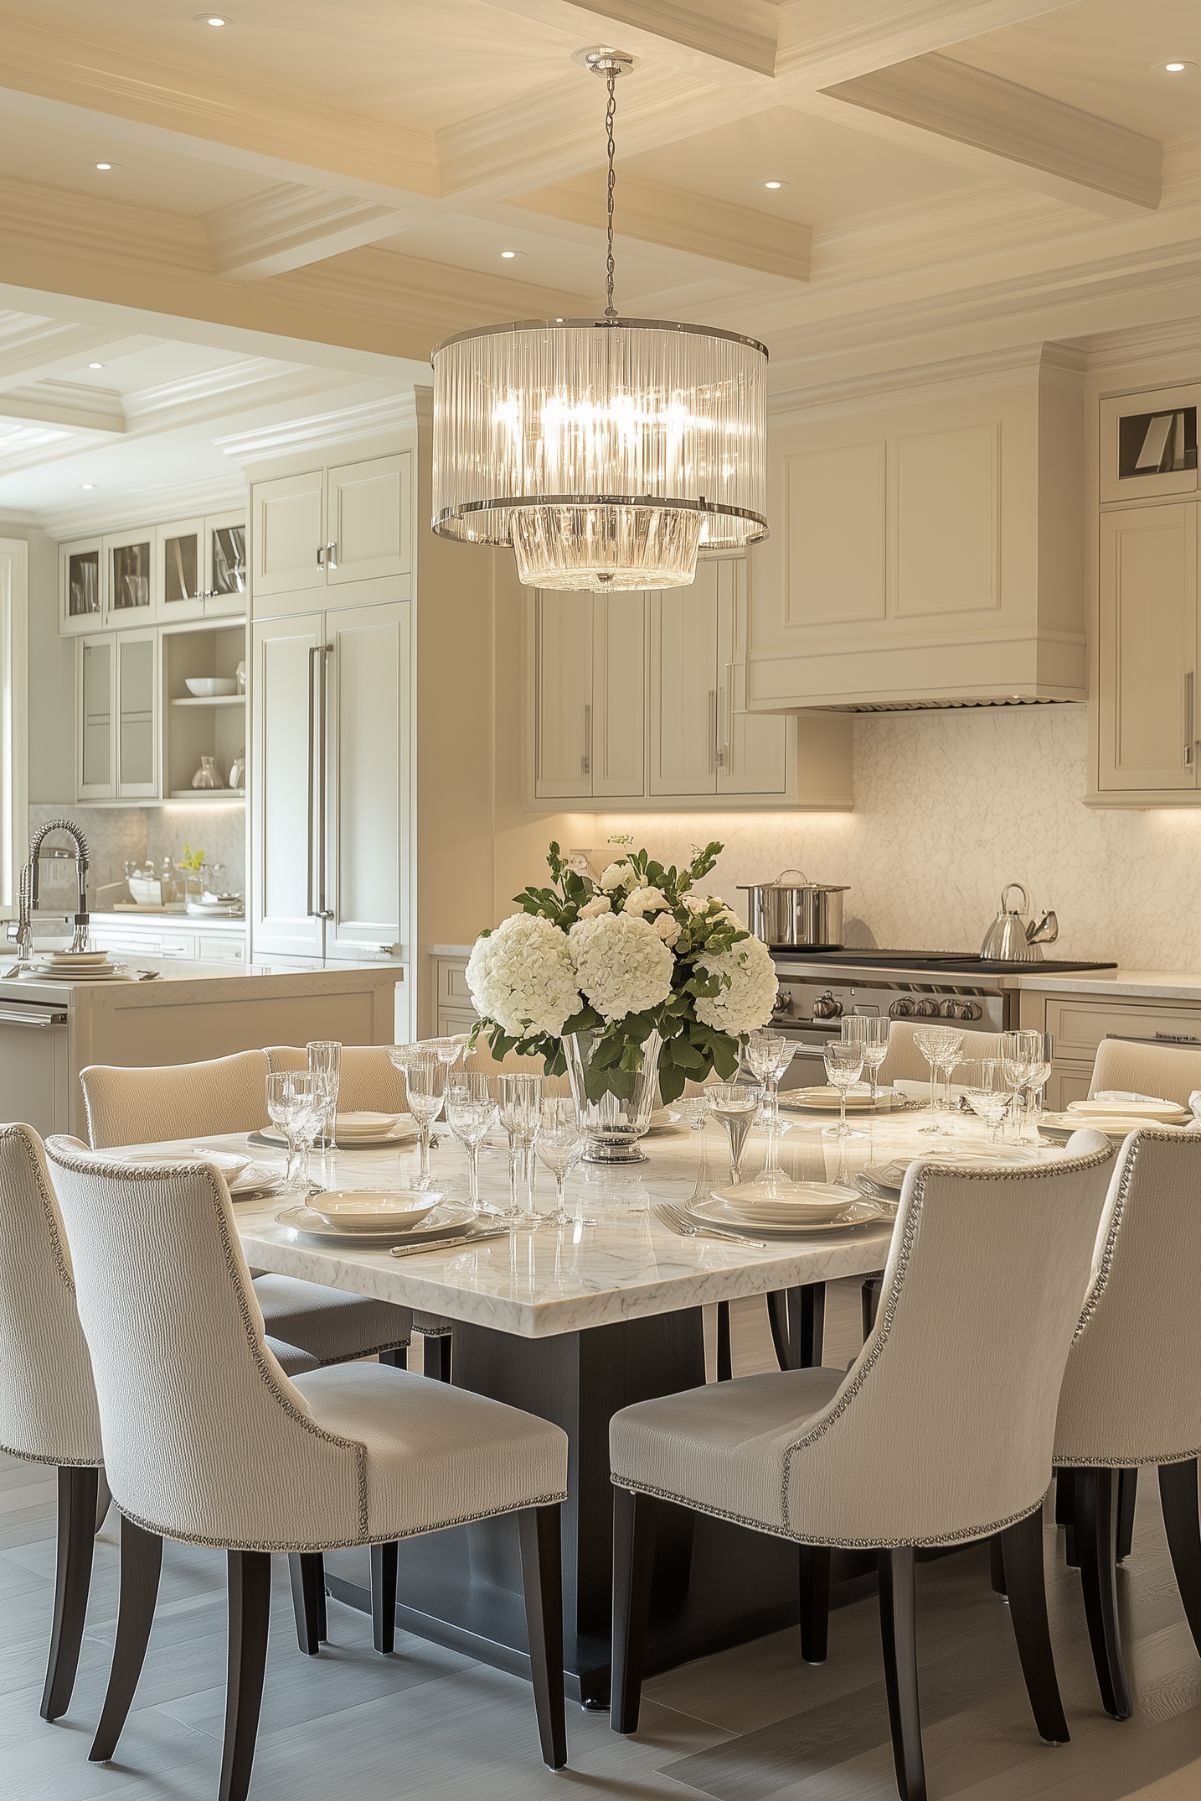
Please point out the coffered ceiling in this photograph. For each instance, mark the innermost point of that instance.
(313, 191)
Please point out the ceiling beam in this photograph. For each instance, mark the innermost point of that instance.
(651, 212)
(710, 37)
(978, 120)
(66, 403)
(290, 225)
(824, 41)
(49, 347)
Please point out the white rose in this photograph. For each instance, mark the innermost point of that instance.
(696, 903)
(522, 976)
(621, 964)
(617, 875)
(747, 997)
(668, 928)
(594, 908)
(646, 900)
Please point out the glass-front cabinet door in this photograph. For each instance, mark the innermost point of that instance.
(181, 569)
(131, 585)
(137, 714)
(226, 574)
(81, 586)
(96, 691)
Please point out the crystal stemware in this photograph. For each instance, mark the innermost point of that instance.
(425, 1087)
(296, 1106)
(325, 1066)
(983, 1085)
(844, 1066)
(1021, 1061)
(521, 1115)
(768, 1054)
(560, 1146)
(735, 1104)
(694, 1108)
(871, 1031)
(470, 1112)
(937, 1043)
(1040, 1071)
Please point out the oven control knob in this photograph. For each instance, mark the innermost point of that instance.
(925, 1008)
(902, 1009)
(961, 1010)
(783, 1002)
(827, 1006)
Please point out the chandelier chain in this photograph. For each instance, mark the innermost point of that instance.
(611, 149)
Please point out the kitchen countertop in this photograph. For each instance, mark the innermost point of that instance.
(182, 981)
(1137, 984)
(157, 918)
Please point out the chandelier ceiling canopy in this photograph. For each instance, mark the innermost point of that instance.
(607, 451)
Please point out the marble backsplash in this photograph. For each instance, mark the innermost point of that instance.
(950, 805)
(117, 835)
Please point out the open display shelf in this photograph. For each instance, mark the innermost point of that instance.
(196, 726)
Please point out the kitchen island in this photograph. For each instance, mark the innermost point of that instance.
(51, 1030)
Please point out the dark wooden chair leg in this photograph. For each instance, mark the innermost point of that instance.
(806, 1325)
(104, 1498)
(633, 1570)
(777, 1319)
(542, 1581)
(996, 1557)
(249, 1618)
(725, 1367)
(1097, 1540)
(72, 1580)
(815, 1602)
(1127, 1495)
(141, 1564)
(307, 1570)
(870, 1290)
(435, 1357)
(1065, 1514)
(898, 1634)
(1178, 1492)
(384, 1560)
(1022, 1555)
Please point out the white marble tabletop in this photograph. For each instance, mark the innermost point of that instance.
(627, 1265)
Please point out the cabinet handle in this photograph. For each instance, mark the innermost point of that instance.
(331, 554)
(1190, 726)
(725, 715)
(714, 755)
(321, 556)
(324, 910)
(586, 759)
(315, 650)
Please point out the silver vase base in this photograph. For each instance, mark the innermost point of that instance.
(599, 1151)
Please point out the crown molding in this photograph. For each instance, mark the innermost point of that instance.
(835, 40)
(366, 419)
(151, 505)
(948, 228)
(93, 225)
(1145, 356)
(73, 404)
(1063, 365)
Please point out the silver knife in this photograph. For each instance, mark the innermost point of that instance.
(446, 1244)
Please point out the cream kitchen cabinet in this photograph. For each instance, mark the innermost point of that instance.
(117, 715)
(201, 566)
(330, 800)
(926, 549)
(108, 583)
(1148, 444)
(344, 526)
(589, 686)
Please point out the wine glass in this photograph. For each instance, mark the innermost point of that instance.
(871, 1031)
(451, 1049)
(937, 1044)
(983, 1084)
(470, 1112)
(425, 1086)
(946, 1057)
(694, 1107)
(735, 1104)
(844, 1066)
(325, 1066)
(296, 1106)
(560, 1145)
(521, 1115)
(768, 1054)
(1040, 1070)
(1021, 1061)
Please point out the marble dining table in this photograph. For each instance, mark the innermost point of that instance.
(575, 1322)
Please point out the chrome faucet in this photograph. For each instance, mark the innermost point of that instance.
(29, 885)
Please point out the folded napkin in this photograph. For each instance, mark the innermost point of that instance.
(1120, 1094)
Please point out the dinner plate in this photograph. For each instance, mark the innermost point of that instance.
(230, 1163)
(816, 1203)
(1115, 1124)
(304, 1223)
(348, 1210)
(826, 1100)
(366, 1125)
(404, 1132)
(1168, 1113)
(858, 1216)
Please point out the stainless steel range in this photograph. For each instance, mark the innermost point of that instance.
(818, 987)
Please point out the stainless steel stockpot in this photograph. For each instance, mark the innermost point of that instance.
(800, 915)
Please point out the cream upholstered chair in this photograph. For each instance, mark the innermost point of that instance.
(1168, 1071)
(228, 1094)
(940, 1432)
(1131, 1391)
(218, 1447)
(904, 1062)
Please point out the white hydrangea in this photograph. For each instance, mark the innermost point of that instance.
(522, 976)
(594, 908)
(617, 875)
(668, 928)
(646, 900)
(749, 1000)
(621, 963)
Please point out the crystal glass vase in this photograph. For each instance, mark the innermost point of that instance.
(613, 1127)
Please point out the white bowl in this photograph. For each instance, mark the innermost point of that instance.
(367, 1212)
(207, 687)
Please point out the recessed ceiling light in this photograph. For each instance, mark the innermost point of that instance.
(508, 255)
(773, 184)
(88, 487)
(95, 365)
(104, 167)
(213, 19)
(1178, 67)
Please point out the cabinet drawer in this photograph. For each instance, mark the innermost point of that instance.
(1078, 1026)
(452, 1021)
(451, 988)
(178, 944)
(220, 948)
(1065, 1086)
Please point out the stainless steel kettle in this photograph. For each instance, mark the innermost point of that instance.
(1013, 937)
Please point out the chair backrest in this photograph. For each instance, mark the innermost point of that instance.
(47, 1400)
(205, 1438)
(949, 1411)
(904, 1062)
(1132, 1387)
(370, 1083)
(177, 1100)
(1169, 1071)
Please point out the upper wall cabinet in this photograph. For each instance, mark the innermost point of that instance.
(202, 567)
(344, 525)
(107, 582)
(589, 680)
(927, 551)
(1148, 444)
(158, 574)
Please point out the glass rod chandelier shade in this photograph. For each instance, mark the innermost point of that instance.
(607, 451)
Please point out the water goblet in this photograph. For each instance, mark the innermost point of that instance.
(521, 1115)
(983, 1087)
(871, 1031)
(768, 1054)
(1021, 1061)
(735, 1104)
(1039, 1072)
(935, 1043)
(470, 1112)
(425, 1087)
(325, 1066)
(296, 1106)
(560, 1145)
(844, 1066)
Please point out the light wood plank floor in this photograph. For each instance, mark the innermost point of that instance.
(752, 1724)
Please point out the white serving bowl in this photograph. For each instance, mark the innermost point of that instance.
(367, 1212)
(209, 687)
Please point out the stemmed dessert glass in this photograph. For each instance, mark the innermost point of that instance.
(296, 1106)
(871, 1031)
(844, 1066)
(470, 1112)
(940, 1046)
(983, 1087)
(735, 1104)
(325, 1066)
(425, 1086)
(521, 1116)
(560, 1145)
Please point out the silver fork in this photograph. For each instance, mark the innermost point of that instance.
(677, 1221)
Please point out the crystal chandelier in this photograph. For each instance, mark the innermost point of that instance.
(608, 452)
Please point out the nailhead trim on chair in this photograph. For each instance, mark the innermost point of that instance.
(60, 1254)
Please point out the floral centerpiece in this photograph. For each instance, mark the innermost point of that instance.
(619, 979)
